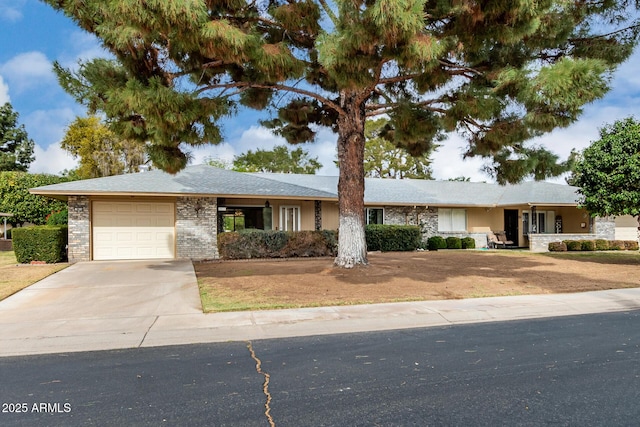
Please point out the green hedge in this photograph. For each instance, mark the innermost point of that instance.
(557, 247)
(436, 242)
(588, 245)
(454, 242)
(57, 218)
(468, 243)
(248, 244)
(594, 245)
(388, 238)
(40, 243)
(573, 245)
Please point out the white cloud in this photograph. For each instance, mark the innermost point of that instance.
(28, 70)
(46, 127)
(223, 151)
(51, 160)
(82, 47)
(10, 10)
(325, 149)
(4, 92)
(448, 162)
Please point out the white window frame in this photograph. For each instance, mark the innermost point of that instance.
(549, 222)
(447, 221)
(366, 213)
(284, 215)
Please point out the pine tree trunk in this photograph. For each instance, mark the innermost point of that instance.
(352, 248)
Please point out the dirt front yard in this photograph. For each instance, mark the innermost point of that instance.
(264, 284)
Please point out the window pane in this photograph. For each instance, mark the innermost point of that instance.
(444, 219)
(452, 219)
(375, 216)
(458, 219)
(541, 222)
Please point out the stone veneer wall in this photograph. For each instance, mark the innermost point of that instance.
(605, 228)
(79, 229)
(317, 207)
(481, 239)
(540, 242)
(196, 228)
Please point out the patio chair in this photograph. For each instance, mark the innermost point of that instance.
(498, 239)
(492, 240)
(502, 237)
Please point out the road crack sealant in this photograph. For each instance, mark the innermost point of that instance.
(265, 385)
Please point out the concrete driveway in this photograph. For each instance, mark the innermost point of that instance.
(97, 305)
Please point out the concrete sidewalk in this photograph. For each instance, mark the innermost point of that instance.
(103, 306)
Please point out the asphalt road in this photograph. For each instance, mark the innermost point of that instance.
(574, 371)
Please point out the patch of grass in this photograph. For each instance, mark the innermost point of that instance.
(604, 257)
(7, 258)
(216, 299)
(15, 277)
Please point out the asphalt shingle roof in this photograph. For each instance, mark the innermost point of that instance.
(207, 180)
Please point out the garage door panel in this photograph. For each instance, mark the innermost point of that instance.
(130, 230)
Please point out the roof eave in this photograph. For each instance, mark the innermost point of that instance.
(66, 194)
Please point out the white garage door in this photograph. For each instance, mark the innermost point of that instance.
(133, 230)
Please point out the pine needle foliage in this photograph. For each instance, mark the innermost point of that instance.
(497, 71)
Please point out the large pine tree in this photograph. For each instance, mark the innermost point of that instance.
(500, 72)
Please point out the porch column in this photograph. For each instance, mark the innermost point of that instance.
(534, 220)
(317, 205)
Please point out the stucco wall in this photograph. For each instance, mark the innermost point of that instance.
(626, 227)
(196, 228)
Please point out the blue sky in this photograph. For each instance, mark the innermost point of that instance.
(33, 35)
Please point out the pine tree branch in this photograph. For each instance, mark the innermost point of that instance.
(329, 12)
(463, 68)
(245, 85)
(635, 26)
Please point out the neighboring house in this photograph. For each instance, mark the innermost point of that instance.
(158, 215)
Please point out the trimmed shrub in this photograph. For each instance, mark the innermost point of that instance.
(388, 238)
(602, 245)
(616, 245)
(436, 242)
(557, 247)
(454, 242)
(248, 244)
(40, 243)
(57, 218)
(306, 244)
(468, 243)
(631, 245)
(573, 245)
(588, 245)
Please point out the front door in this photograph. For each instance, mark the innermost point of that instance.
(511, 224)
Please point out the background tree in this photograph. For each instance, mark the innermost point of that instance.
(498, 72)
(218, 163)
(279, 160)
(382, 159)
(607, 173)
(100, 151)
(26, 207)
(16, 149)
